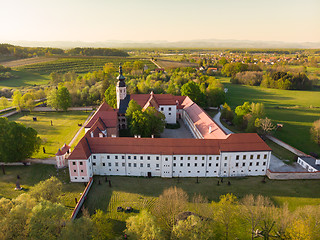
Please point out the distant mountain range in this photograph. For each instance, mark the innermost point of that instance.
(207, 43)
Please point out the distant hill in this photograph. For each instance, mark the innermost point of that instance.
(205, 43)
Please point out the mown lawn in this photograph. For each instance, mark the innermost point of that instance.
(33, 174)
(65, 126)
(25, 79)
(142, 193)
(296, 110)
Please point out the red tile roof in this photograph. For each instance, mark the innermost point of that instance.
(65, 148)
(168, 146)
(108, 115)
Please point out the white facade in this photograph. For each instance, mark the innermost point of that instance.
(121, 94)
(226, 164)
(170, 112)
(80, 170)
(307, 165)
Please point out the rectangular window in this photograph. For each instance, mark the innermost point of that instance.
(217, 164)
(73, 163)
(225, 158)
(129, 157)
(258, 156)
(210, 158)
(251, 156)
(134, 165)
(257, 164)
(174, 158)
(122, 157)
(93, 163)
(195, 158)
(181, 164)
(117, 164)
(174, 164)
(265, 156)
(108, 157)
(217, 158)
(116, 157)
(148, 157)
(81, 163)
(157, 165)
(225, 164)
(202, 164)
(109, 164)
(250, 164)
(189, 158)
(129, 164)
(243, 164)
(81, 170)
(264, 163)
(202, 158)
(123, 164)
(103, 164)
(161, 109)
(166, 159)
(141, 157)
(244, 157)
(209, 164)
(237, 164)
(148, 165)
(195, 164)
(169, 108)
(188, 164)
(237, 157)
(134, 157)
(157, 158)
(141, 164)
(181, 158)
(94, 157)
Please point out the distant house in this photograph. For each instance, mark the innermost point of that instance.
(62, 155)
(212, 70)
(159, 69)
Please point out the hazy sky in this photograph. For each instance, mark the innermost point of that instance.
(171, 20)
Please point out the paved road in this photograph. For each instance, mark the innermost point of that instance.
(216, 118)
(182, 132)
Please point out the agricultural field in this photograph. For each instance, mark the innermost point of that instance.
(33, 174)
(296, 110)
(141, 193)
(65, 126)
(169, 64)
(79, 65)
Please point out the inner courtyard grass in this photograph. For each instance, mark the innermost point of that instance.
(33, 174)
(65, 126)
(296, 110)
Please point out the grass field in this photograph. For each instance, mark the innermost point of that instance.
(26, 61)
(80, 65)
(141, 193)
(296, 110)
(65, 126)
(25, 79)
(33, 174)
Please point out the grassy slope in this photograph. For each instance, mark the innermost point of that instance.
(65, 126)
(31, 175)
(25, 79)
(291, 108)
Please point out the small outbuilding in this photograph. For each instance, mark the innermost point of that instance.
(62, 155)
(309, 163)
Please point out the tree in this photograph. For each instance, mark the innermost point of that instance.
(110, 96)
(139, 124)
(192, 228)
(143, 226)
(157, 121)
(16, 100)
(4, 103)
(226, 112)
(132, 107)
(265, 125)
(80, 229)
(225, 214)
(47, 220)
(48, 190)
(103, 227)
(17, 142)
(315, 132)
(192, 90)
(59, 98)
(27, 101)
(169, 204)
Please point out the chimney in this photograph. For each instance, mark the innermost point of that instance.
(91, 134)
(210, 129)
(152, 136)
(317, 161)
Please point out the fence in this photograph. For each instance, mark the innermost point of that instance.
(292, 175)
(81, 200)
(287, 146)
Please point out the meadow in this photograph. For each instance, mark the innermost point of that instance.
(169, 64)
(296, 110)
(33, 174)
(65, 126)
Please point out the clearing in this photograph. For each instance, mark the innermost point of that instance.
(169, 64)
(26, 61)
(65, 126)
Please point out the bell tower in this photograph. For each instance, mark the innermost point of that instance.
(121, 89)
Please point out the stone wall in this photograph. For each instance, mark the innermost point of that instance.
(287, 146)
(293, 175)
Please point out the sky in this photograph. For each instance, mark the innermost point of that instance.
(162, 20)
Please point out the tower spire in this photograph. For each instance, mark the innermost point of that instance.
(120, 77)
